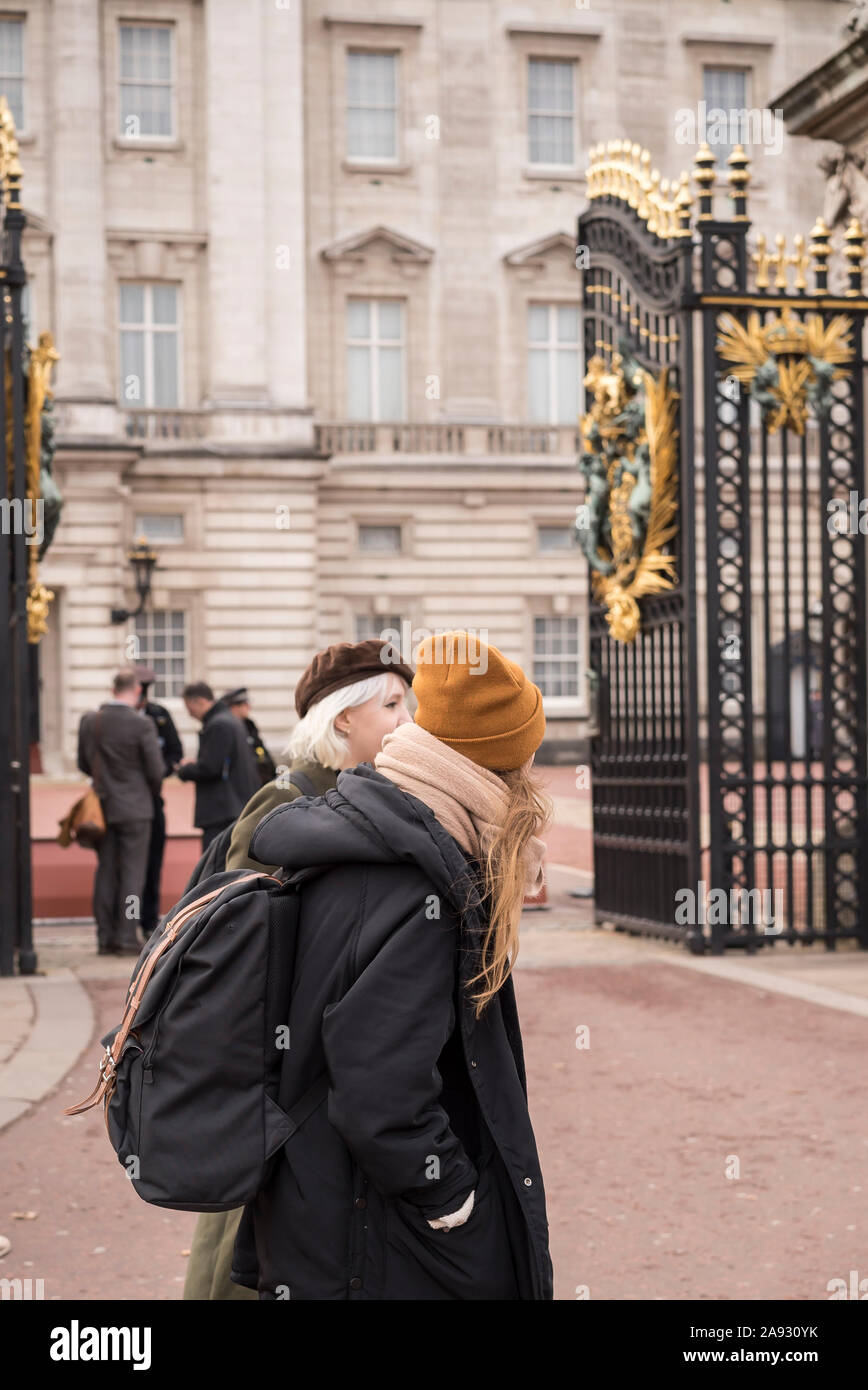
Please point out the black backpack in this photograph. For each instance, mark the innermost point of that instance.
(190, 1077)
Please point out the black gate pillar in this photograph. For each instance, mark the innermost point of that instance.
(18, 519)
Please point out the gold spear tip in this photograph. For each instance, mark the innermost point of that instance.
(854, 230)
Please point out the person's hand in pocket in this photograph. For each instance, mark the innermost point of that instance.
(455, 1218)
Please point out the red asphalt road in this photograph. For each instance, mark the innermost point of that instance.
(683, 1071)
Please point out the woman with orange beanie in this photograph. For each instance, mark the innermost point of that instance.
(413, 1173)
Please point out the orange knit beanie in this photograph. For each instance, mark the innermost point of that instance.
(476, 701)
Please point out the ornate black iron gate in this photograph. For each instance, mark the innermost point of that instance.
(639, 384)
(729, 772)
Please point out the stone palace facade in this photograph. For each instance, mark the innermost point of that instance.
(309, 265)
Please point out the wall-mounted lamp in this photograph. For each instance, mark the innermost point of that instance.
(143, 561)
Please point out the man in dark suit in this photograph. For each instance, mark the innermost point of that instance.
(118, 749)
(173, 752)
(225, 770)
(238, 702)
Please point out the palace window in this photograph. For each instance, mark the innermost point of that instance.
(551, 538)
(375, 359)
(372, 105)
(371, 627)
(380, 538)
(12, 68)
(162, 639)
(159, 528)
(145, 104)
(149, 348)
(556, 658)
(725, 89)
(551, 107)
(553, 363)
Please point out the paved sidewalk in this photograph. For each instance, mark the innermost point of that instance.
(45, 1023)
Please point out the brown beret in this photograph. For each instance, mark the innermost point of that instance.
(344, 663)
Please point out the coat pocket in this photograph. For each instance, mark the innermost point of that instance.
(472, 1261)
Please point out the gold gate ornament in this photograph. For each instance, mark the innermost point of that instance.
(630, 452)
(786, 363)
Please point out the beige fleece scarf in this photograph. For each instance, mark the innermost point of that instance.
(469, 801)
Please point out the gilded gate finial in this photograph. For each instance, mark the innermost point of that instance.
(738, 179)
(704, 175)
(854, 249)
(820, 250)
(621, 169)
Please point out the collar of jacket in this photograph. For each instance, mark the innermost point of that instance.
(218, 707)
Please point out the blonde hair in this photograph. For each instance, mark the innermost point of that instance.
(315, 737)
(504, 881)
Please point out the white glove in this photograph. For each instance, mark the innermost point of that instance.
(455, 1218)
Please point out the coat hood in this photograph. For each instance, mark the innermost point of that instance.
(366, 820)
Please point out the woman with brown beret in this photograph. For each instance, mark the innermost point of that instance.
(350, 697)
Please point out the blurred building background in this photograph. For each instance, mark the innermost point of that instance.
(310, 269)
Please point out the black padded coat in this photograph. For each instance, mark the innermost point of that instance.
(424, 1102)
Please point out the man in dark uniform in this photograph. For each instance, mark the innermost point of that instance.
(225, 769)
(239, 703)
(172, 752)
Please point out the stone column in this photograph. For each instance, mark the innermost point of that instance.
(236, 317)
(77, 211)
(283, 142)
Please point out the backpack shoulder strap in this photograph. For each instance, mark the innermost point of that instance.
(304, 784)
(304, 1108)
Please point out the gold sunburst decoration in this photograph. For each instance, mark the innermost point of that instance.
(787, 364)
(631, 444)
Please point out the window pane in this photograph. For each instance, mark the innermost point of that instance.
(391, 384)
(358, 318)
(159, 528)
(554, 538)
(389, 320)
(145, 110)
(538, 323)
(132, 303)
(145, 52)
(379, 538)
(368, 626)
(567, 387)
(165, 369)
(13, 88)
(11, 47)
(371, 79)
(568, 323)
(538, 386)
(371, 134)
(161, 54)
(551, 140)
(550, 85)
(725, 89)
(133, 388)
(359, 383)
(165, 302)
